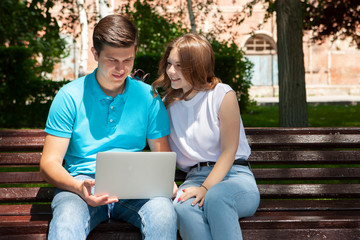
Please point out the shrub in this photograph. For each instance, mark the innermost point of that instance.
(26, 97)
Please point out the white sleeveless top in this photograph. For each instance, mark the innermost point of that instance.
(195, 128)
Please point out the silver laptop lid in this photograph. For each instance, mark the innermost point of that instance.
(135, 175)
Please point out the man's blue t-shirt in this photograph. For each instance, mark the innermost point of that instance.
(95, 122)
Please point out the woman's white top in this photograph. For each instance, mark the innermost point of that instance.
(195, 128)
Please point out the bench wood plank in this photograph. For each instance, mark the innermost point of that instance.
(260, 174)
(304, 157)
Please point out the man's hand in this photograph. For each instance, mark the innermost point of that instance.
(197, 192)
(93, 200)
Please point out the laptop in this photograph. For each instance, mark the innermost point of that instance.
(135, 175)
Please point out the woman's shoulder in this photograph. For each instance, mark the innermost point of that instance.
(220, 90)
(222, 87)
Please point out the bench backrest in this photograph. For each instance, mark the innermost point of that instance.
(288, 163)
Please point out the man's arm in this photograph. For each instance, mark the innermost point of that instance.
(52, 171)
(159, 144)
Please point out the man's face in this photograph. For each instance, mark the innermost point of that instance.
(114, 65)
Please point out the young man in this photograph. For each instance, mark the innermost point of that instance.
(104, 111)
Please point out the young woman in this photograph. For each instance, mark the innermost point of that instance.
(209, 138)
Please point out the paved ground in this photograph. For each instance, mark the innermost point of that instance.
(354, 100)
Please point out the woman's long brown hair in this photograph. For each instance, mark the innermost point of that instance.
(197, 66)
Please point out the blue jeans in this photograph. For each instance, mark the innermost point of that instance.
(237, 196)
(73, 218)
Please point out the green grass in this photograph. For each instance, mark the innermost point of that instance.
(319, 116)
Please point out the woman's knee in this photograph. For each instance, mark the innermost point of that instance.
(244, 202)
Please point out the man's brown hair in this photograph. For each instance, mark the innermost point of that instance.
(115, 31)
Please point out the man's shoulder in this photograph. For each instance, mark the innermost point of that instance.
(74, 87)
(140, 86)
(139, 83)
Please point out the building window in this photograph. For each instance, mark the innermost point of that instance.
(260, 44)
(261, 51)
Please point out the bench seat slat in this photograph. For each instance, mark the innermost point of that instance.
(303, 141)
(25, 209)
(329, 218)
(26, 194)
(20, 158)
(45, 194)
(34, 140)
(248, 234)
(21, 177)
(306, 173)
(305, 157)
(265, 205)
(309, 205)
(256, 157)
(301, 234)
(26, 235)
(309, 190)
(24, 143)
(260, 174)
(302, 131)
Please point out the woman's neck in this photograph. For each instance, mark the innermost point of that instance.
(191, 95)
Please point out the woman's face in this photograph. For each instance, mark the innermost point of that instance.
(173, 70)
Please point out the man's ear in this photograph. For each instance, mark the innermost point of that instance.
(96, 56)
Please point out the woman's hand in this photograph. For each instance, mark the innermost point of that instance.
(197, 192)
(175, 189)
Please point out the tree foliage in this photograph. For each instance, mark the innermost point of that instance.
(326, 18)
(25, 97)
(30, 24)
(155, 31)
(336, 18)
(30, 45)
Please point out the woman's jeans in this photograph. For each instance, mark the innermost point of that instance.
(73, 218)
(237, 196)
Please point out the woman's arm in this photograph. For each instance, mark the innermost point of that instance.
(229, 115)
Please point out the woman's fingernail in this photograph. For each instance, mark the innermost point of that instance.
(179, 199)
(183, 190)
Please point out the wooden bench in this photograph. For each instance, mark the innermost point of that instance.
(309, 180)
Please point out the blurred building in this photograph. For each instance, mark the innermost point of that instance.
(332, 68)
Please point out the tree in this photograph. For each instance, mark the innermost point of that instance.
(84, 37)
(30, 45)
(156, 30)
(191, 16)
(31, 25)
(326, 18)
(102, 8)
(292, 94)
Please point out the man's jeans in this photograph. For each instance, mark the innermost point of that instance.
(74, 219)
(237, 196)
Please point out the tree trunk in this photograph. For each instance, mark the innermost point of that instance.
(292, 93)
(191, 16)
(84, 38)
(103, 10)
